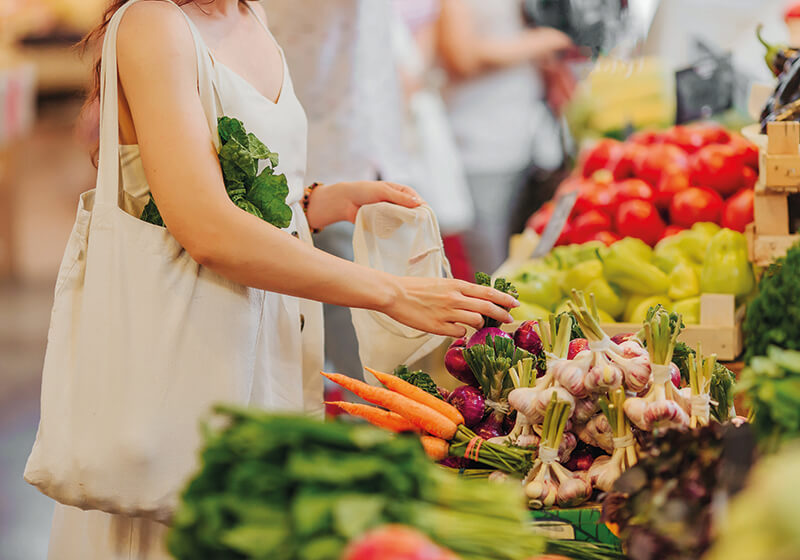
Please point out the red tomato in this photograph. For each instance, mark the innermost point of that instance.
(639, 218)
(712, 133)
(669, 185)
(566, 235)
(646, 137)
(719, 167)
(659, 159)
(745, 149)
(592, 197)
(588, 224)
(606, 237)
(738, 211)
(695, 205)
(607, 154)
(749, 177)
(671, 230)
(687, 138)
(631, 189)
(538, 221)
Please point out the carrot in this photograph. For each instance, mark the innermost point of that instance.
(376, 416)
(423, 417)
(436, 448)
(394, 383)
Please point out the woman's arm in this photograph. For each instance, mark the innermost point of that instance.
(158, 74)
(466, 52)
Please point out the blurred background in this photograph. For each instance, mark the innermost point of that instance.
(408, 96)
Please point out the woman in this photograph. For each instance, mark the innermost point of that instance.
(497, 109)
(167, 151)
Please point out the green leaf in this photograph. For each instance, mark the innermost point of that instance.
(232, 155)
(356, 513)
(268, 194)
(256, 147)
(247, 206)
(257, 540)
(229, 128)
(323, 548)
(150, 213)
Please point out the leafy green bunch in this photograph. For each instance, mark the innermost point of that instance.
(417, 378)
(773, 317)
(261, 194)
(501, 285)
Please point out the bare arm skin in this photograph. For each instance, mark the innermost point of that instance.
(158, 75)
(466, 52)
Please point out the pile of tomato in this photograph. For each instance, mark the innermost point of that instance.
(658, 183)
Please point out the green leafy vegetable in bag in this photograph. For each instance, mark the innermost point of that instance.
(261, 194)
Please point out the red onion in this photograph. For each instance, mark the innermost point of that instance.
(620, 338)
(580, 460)
(526, 338)
(576, 346)
(457, 366)
(469, 402)
(481, 336)
(491, 427)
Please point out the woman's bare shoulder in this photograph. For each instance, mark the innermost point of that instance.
(155, 32)
(259, 9)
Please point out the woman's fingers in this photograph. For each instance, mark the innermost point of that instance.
(402, 195)
(483, 307)
(488, 294)
(452, 330)
(471, 318)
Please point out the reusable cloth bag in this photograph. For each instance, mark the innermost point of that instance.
(404, 242)
(142, 342)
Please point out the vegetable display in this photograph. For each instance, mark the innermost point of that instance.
(629, 277)
(655, 180)
(261, 194)
(773, 316)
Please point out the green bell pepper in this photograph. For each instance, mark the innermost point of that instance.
(638, 313)
(668, 253)
(694, 242)
(609, 298)
(540, 286)
(529, 312)
(633, 245)
(689, 309)
(726, 269)
(632, 273)
(683, 282)
(580, 275)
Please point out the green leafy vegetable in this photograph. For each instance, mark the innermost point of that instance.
(261, 194)
(417, 378)
(771, 386)
(501, 285)
(773, 317)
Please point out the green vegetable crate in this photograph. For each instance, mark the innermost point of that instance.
(719, 331)
(769, 236)
(578, 524)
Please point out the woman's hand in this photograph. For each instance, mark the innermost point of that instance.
(340, 201)
(442, 306)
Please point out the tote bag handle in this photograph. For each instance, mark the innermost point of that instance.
(107, 186)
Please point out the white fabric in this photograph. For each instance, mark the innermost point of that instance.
(499, 118)
(404, 242)
(346, 79)
(143, 340)
(437, 172)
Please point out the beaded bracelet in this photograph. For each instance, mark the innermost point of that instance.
(307, 198)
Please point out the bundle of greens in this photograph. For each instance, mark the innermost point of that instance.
(261, 194)
(292, 488)
(771, 387)
(663, 504)
(722, 381)
(773, 317)
(501, 285)
(417, 378)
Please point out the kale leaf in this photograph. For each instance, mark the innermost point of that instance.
(501, 285)
(417, 378)
(261, 194)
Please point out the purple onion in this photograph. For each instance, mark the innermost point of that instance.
(469, 402)
(622, 337)
(491, 427)
(526, 338)
(481, 336)
(444, 393)
(457, 366)
(580, 460)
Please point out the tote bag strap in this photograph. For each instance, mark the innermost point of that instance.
(107, 187)
(361, 253)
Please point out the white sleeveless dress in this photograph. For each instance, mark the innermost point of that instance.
(289, 344)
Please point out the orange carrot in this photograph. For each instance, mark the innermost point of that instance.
(436, 448)
(394, 383)
(376, 416)
(423, 417)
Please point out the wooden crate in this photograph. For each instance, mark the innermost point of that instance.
(769, 237)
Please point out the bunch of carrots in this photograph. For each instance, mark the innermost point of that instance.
(407, 408)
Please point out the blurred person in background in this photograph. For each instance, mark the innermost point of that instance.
(346, 78)
(497, 102)
(438, 172)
